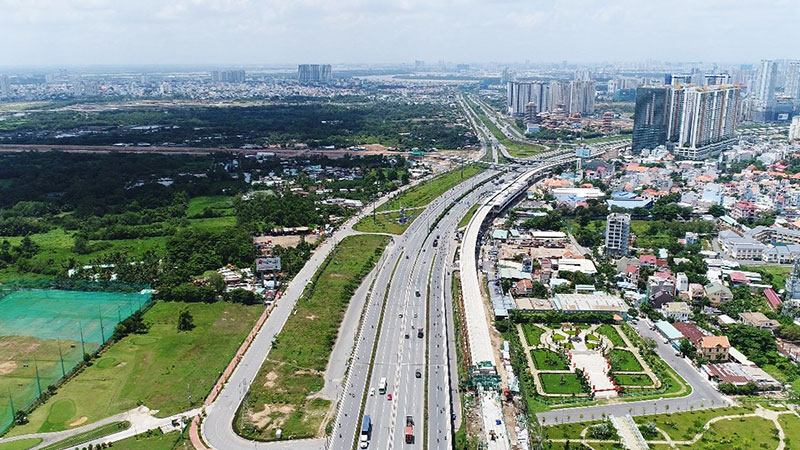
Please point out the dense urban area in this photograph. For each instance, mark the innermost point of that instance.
(425, 255)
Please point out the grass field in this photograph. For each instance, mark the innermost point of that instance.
(97, 433)
(743, 433)
(561, 383)
(155, 440)
(282, 395)
(422, 194)
(611, 333)
(623, 361)
(548, 360)
(791, 427)
(533, 334)
(779, 274)
(22, 444)
(153, 369)
(470, 212)
(221, 205)
(567, 430)
(682, 426)
(632, 380)
(386, 222)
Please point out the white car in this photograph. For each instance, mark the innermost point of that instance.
(372, 392)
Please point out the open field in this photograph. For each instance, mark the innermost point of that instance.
(155, 440)
(282, 395)
(153, 369)
(97, 433)
(220, 205)
(742, 433)
(791, 427)
(561, 383)
(23, 444)
(779, 274)
(683, 426)
(386, 222)
(422, 194)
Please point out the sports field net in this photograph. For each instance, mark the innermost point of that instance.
(44, 334)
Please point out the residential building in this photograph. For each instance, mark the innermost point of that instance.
(743, 210)
(718, 293)
(5, 86)
(690, 331)
(706, 120)
(714, 348)
(520, 94)
(314, 73)
(618, 234)
(759, 320)
(794, 129)
(228, 76)
(682, 282)
(657, 284)
(679, 311)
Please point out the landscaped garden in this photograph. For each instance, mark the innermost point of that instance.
(532, 333)
(545, 359)
(562, 383)
(683, 426)
(611, 333)
(623, 361)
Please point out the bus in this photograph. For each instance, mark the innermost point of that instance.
(382, 386)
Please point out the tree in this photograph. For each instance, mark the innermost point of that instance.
(790, 332)
(81, 244)
(687, 349)
(217, 282)
(242, 296)
(716, 210)
(185, 321)
(20, 417)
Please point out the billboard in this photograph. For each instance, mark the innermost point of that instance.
(264, 264)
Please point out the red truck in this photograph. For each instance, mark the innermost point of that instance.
(409, 430)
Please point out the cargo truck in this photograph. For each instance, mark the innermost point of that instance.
(409, 430)
(366, 430)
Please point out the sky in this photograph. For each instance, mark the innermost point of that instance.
(265, 32)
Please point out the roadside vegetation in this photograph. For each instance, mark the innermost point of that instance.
(91, 435)
(285, 394)
(424, 193)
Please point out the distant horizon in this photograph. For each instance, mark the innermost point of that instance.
(65, 33)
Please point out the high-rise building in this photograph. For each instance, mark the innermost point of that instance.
(5, 86)
(700, 120)
(794, 129)
(559, 95)
(618, 234)
(227, 76)
(708, 117)
(314, 73)
(792, 83)
(581, 97)
(714, 80)
(651, 117)
(531, 113)
(520, 93)
(764, 85)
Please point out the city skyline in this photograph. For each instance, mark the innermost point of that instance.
(102, 32)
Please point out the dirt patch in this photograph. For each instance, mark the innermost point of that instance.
(7, 367)
(312, 317)
(80, 421)
(271, 377)
(264, 420)
(122, 364)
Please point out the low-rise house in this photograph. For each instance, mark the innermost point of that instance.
(718, 293)
(714, 348)
(759, 320)
(679, 311)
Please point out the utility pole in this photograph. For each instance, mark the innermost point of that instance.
(83, 344)
(189, 392)
(61, 358)
(38, 381)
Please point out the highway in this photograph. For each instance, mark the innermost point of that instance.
(398, 349)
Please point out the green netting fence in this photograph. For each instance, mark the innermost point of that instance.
(44, 334)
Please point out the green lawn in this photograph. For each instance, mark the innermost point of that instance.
(561, 383)
(779, 274)
(610, 332)
(682, 426)
(97, 433)
(22, 444)
(567, 430)
(632, 380)
(743, 433)
(213, 223)
(548, 360)
(532, 334)
(221, 205)
(155, 440)
(623, 361)
(470, 212)
(282, 394)
(386, 222)
(153, 369)
(791, 427)
(422, 194)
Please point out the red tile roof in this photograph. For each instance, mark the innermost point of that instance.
(772, 298)
(689, 330)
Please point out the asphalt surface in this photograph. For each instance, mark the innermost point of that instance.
(409, 265)
(703, 393)
(217, 428)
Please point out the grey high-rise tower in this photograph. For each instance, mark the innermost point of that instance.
(618, 234)
(651, 117)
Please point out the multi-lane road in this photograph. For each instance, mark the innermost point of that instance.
(405, 327)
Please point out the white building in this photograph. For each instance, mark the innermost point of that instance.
(794, 129)
(618, 234)
(677, 310)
